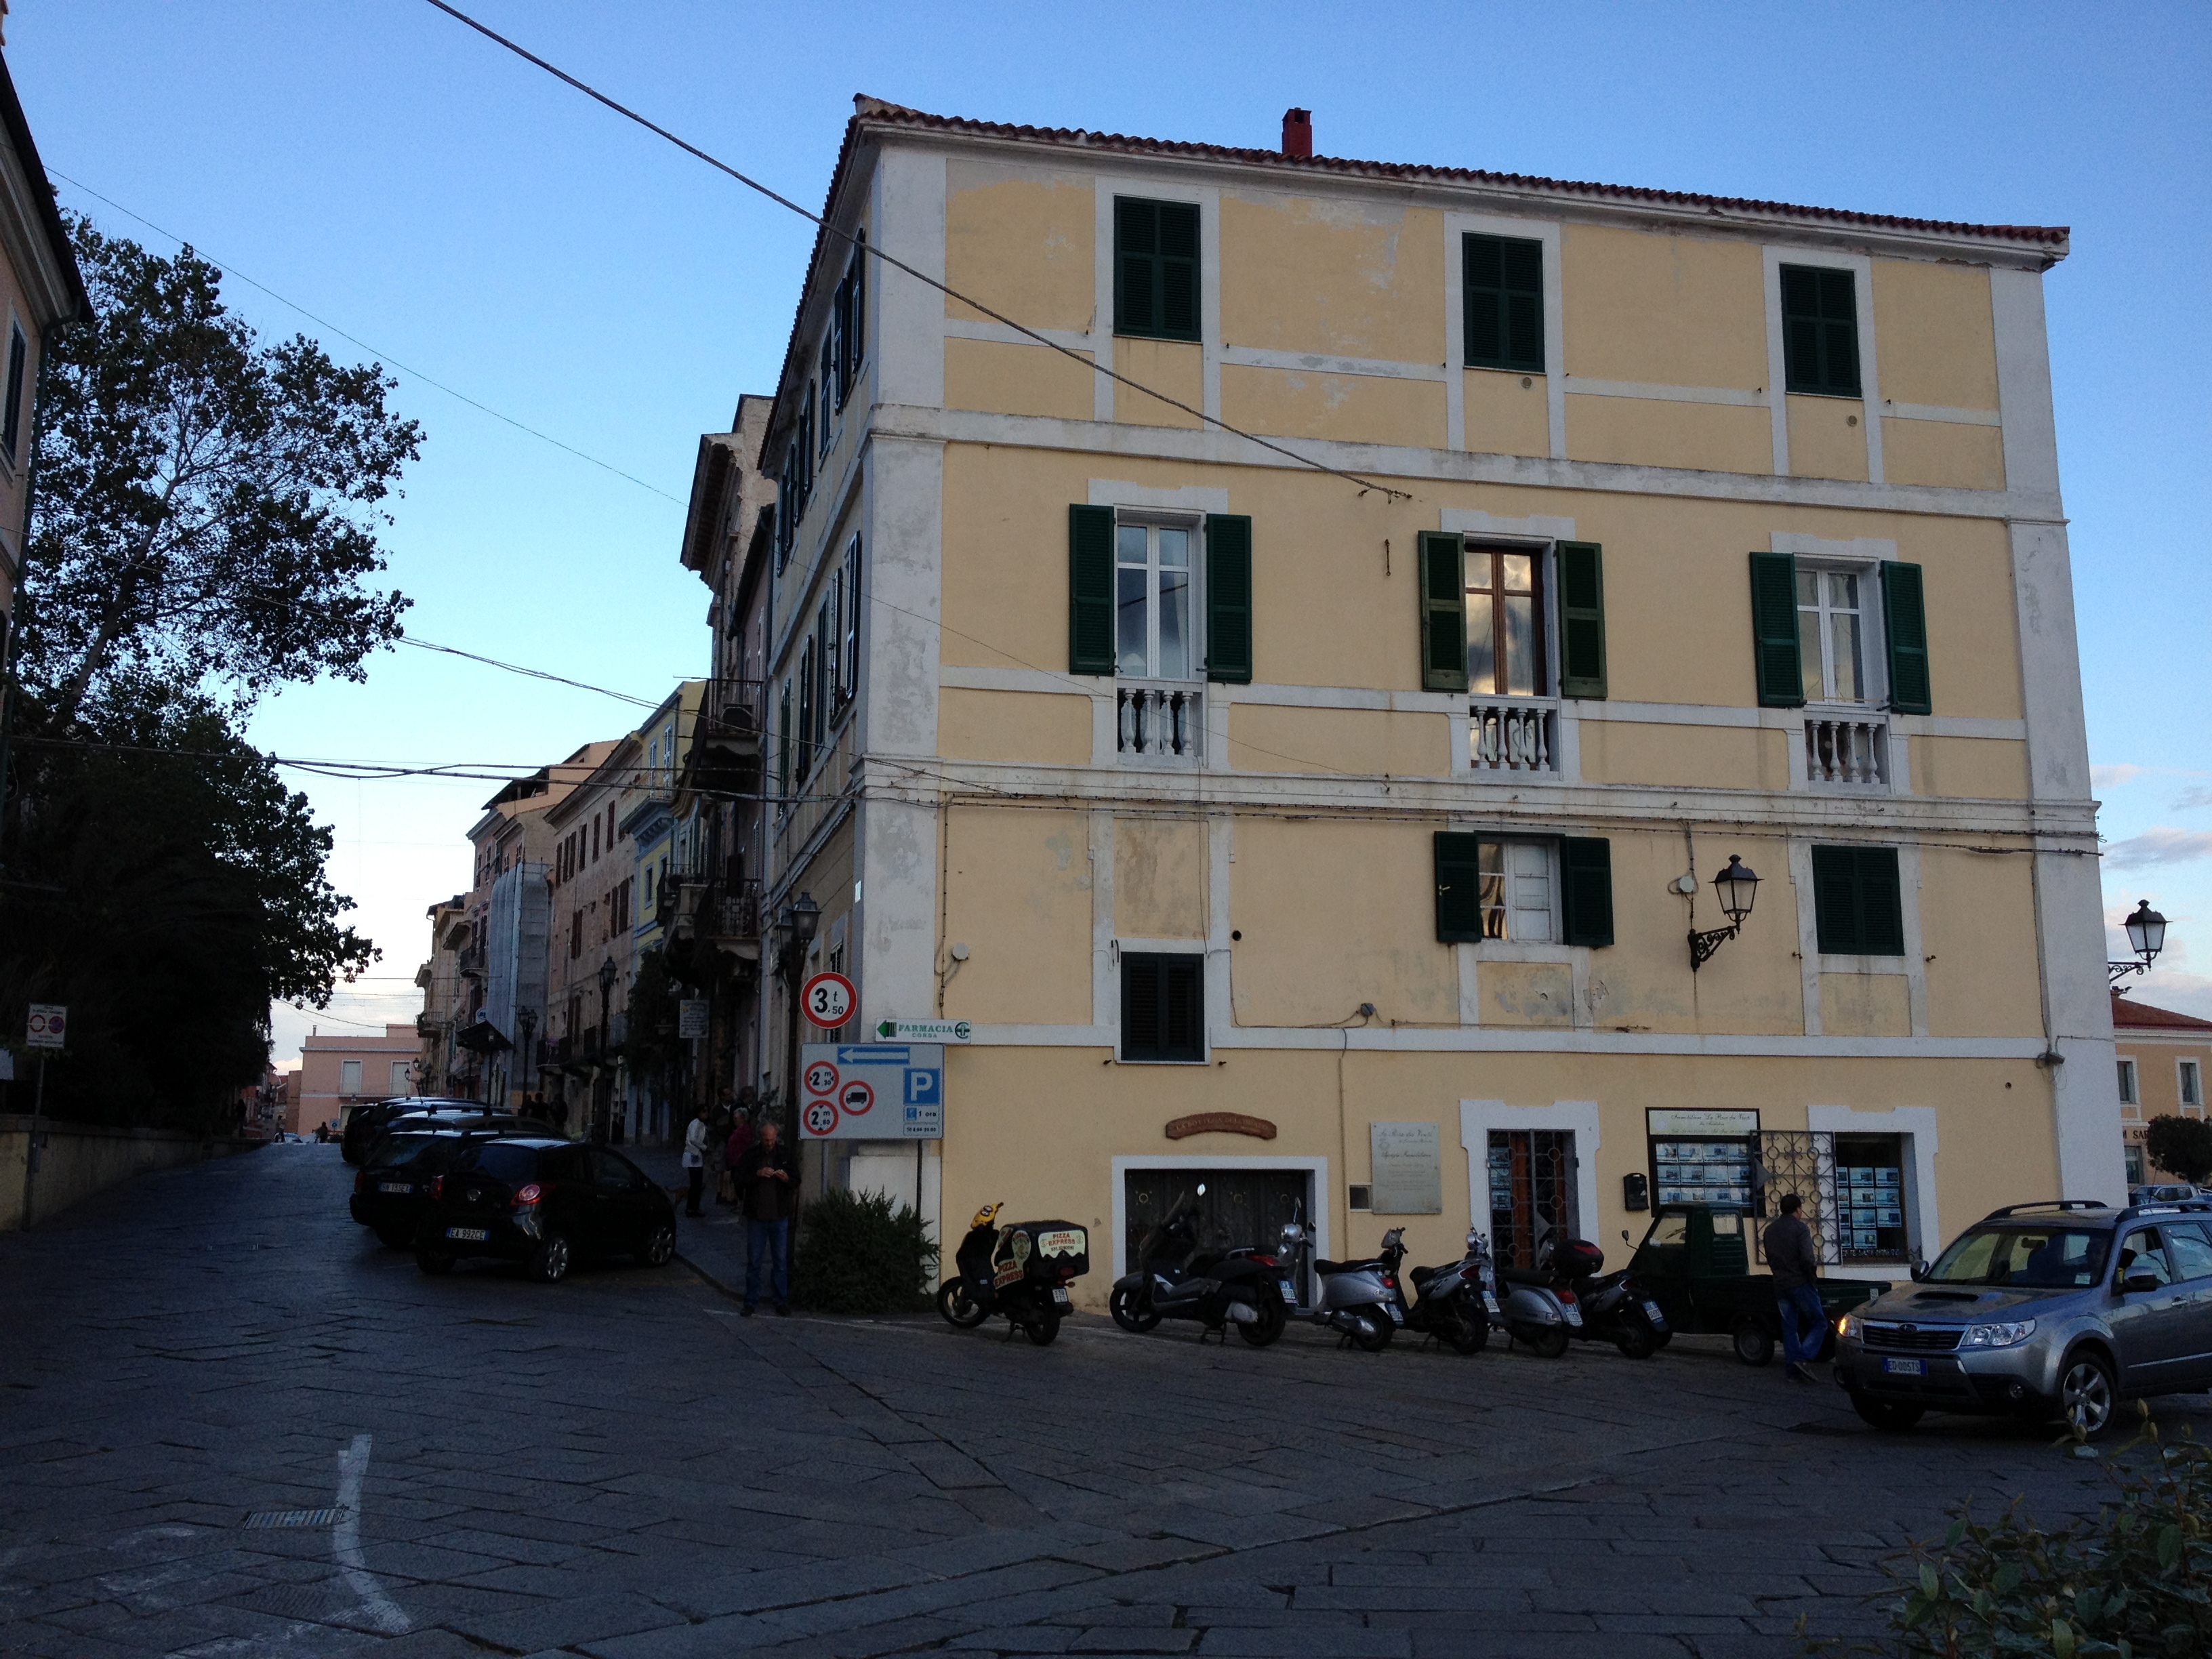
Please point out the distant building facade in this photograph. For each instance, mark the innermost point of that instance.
(2164, 1058)
(340, 1073)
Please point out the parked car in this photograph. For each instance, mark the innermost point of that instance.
(1695, 1262)
(2169, 1192)
(545, 1202)
(2054, 1309)
(394, 1184)
(365, 1124)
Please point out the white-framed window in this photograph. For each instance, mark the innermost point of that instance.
(349, 1077)
(1497, 888)
(1156, 599)
(2190, 1077)
(1838, 632)
(2128, 1094)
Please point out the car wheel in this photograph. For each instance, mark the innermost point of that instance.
(551, 1265)
(2089, 1394)
(1269, 1325)
(1132, 1311)
(958, 1305)
(1752, 1344)
(1545, 1341)
(434, 1263)
(1042, 1329)
(659, 1247)
(1464, 1330)
(395, 1238)
(1371, 1329)
(1892, 1416)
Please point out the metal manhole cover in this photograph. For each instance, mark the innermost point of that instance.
(291, 1517)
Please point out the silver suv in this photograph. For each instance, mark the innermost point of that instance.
(2056, 1310)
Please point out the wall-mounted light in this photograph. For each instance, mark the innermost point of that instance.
(2146, 930)
(1737, 887)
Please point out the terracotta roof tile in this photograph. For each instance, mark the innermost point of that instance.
(2141, 1016)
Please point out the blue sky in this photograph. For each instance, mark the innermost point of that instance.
(401, 178)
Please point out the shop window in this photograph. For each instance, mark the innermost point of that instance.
(2135, 1162)
(1702, 1158)
(1871, 1197)
(1532, 1192)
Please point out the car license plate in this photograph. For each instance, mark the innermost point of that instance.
(1906, 1367)
(1289, 1292)
(1058, 1295)
(1658, 1320)
(394, 1186)
(475, 1235)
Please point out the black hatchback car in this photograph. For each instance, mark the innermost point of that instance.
(364, 1123)
(546, 1202)
(393, 1185)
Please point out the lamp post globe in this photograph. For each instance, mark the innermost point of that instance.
(806, 917)
(607, 978)
(1737, 887)
(2146, 930)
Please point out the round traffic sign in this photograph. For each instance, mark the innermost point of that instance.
(820, 1117)
(821, 1078)
(856, 1098)
(829, 1000)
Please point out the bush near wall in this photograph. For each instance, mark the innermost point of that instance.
(2181, 1145)
(859, 1253)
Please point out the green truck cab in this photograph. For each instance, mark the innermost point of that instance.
(1695, 1262)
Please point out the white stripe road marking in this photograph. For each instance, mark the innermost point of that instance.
(345, 1542)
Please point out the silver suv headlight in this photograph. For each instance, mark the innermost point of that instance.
(2007, 1335)
(1848, 1327)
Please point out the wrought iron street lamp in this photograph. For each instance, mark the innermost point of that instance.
(1737, 888)
(526, 1021)
(2146, 930)
(797, 921)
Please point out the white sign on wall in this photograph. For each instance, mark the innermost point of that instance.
(871, 1090)
(1406, 1162)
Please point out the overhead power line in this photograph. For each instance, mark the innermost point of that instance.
(384, 357)
(527, 673)
(872, 251)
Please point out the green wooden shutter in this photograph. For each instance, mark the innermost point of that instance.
(1881, 908)
(1089, 590)
(783, 744)
(1178, 314)
(1819, 330)
(1443, 612)
(1835, 900)
(1774, 630)
(1586, 887)
(1502, 282)
(1905, 624)
(1582, 619)
(1229, 599)
(1459, 887)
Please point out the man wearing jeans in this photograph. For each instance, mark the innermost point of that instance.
(1795, 1265)
(768, 1185)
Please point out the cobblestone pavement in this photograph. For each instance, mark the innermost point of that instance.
(620, 1467)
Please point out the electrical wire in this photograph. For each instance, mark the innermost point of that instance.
(528, 673)
(872, 251)
(384, 357)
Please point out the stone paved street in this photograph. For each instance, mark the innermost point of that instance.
(620, 1467)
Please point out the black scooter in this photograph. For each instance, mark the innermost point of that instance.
(1456, 1305)
(1215, 1289)
(1021, 1271)
(1613, 1309)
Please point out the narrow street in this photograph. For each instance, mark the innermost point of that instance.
(621, 1467)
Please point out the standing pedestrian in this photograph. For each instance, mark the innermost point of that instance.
(733, 1152)
(695, 1160)
(1796, 1269)
(769, 1185)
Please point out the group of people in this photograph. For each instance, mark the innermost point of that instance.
(750, 1169)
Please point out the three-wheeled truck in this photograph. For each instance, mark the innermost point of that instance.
(1695, 1262)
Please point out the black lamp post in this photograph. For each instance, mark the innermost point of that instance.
(527, 1022)
(797, 923)
(1737, 887)
(2146, 930)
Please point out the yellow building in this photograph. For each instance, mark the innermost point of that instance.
(1336, 715)
(2162, 1059)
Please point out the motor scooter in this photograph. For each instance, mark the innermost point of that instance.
(1538, 1310)
(1457, 1304)
(1175, 1279)
(1612, 1309)
(1021, 1271)
(1358, 1299)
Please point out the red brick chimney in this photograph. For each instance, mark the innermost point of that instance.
(1297, 132)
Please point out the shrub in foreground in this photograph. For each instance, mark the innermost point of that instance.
(862, 1253)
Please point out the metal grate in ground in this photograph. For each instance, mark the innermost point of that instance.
(291, 1517)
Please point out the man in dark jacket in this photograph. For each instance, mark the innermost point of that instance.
(767, 1186)
(1795, 1265)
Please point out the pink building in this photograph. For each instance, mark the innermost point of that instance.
(337, 1073)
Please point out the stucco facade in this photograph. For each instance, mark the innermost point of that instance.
(2163, 1059)
(1390, 873)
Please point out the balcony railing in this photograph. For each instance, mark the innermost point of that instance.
(1513, 734)
(1847, 751)
(1159, 720)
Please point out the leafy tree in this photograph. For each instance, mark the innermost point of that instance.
(2180, 1144)
(207, 506)
(169, 887)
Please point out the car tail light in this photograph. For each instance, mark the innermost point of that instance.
(525, 1195)
(360, 1181)
(437, 1188)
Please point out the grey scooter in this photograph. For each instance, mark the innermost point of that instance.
(1358, 1298)
(1535, 1312)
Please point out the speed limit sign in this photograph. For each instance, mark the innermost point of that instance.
(828, 999)
(820, 1117)
(821, 1078)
